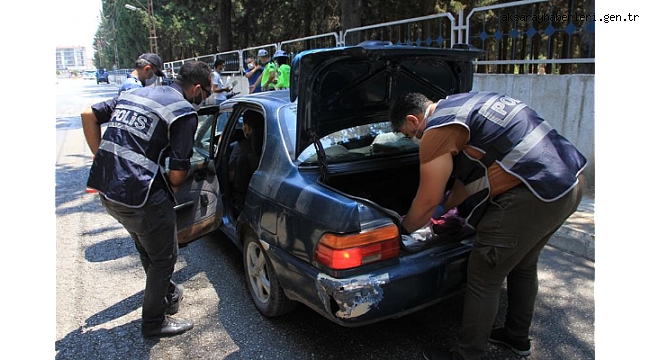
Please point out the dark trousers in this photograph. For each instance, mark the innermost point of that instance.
(510, 237)
(153, 229)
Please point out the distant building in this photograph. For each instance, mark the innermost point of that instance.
(72, 58)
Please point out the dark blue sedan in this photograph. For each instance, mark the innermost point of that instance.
(319, 222)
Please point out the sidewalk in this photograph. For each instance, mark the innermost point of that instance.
(578, 235)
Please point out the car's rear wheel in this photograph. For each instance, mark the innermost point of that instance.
(262, 282)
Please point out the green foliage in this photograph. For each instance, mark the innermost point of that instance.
(191, 28)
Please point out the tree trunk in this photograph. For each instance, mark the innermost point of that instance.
(350, 14)
(587, 42)
(225, 36)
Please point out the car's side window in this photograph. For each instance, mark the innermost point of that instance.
(222, 119)
(203, 133)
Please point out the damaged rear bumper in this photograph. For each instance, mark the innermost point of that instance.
(410, 284)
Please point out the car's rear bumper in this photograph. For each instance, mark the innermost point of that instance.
(413, 283)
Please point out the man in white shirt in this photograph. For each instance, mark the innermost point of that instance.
(218, 87)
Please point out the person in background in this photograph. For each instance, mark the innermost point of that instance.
(168, 79)
(253, 72)
(269, 71)
(515, 180)
(146, 127)
(245, 156)
(218, 87)
(283, 72)
(147, 67)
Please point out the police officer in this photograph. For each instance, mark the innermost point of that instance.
(146, 126)
(147, 67)
(515, 180)
(268, 74)
(283, 70)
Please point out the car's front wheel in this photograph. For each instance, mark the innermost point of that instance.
(262, 282)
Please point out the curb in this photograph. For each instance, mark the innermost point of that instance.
(577, 235)
(575, 242)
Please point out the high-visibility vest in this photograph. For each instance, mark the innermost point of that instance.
(132, 151)
(508, 132)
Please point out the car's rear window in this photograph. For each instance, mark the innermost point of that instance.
(352, 144)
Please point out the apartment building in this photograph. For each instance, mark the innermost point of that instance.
(72, 58)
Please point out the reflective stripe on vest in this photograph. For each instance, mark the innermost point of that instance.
(507, 131)
(131, 152)
(129, 155)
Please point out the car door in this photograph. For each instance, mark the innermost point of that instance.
(199, 210)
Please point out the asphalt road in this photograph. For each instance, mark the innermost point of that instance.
(99, 289)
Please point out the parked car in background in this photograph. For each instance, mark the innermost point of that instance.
(102, 76)
(319, 224)
(88, 75)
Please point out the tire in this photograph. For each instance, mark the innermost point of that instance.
(262, 283)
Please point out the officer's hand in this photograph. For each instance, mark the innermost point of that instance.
(402, 230)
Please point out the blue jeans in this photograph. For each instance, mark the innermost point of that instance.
(153, 229)
(510, 236)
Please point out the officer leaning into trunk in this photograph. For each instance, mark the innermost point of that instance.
(515, 180)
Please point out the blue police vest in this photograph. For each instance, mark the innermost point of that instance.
(135, 144)
(509, 132)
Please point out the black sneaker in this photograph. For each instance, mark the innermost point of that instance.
(175, 301)
(168, 327)
(499, 336)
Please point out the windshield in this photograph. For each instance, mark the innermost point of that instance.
(352, 144)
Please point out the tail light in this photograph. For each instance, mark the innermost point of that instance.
(341, 252)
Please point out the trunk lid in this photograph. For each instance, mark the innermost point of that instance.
(339, 88)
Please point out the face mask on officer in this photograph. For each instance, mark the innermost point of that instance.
(415, 138)
(151, 81)
(197, 99)
(251, 65)
(151, 77)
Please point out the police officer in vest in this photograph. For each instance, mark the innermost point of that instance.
(147, 67)
(146, 126)
(514, 179)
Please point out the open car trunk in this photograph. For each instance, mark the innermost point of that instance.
(391, 191)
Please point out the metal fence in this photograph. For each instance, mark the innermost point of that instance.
(533, 36)
(432, 31)
(528, 36)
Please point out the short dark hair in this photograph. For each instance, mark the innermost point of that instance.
(218, 62)
(254, 119)
(282, 60)
(409, 104)
(194, 72)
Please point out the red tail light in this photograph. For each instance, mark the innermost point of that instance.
(341, 252)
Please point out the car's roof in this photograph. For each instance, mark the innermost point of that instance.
(268, 99)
